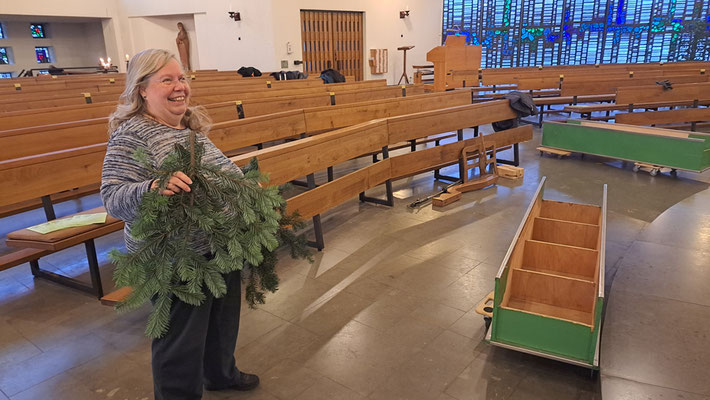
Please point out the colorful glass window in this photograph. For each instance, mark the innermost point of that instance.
(553, 32)
(5, 75)
(4, 58)
(2, 32)
(42, 55)
(37, 31)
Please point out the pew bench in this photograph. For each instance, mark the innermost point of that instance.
(40, 176)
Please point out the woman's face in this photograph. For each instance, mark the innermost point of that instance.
(167, 94)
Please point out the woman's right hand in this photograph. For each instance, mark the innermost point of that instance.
(178, 182)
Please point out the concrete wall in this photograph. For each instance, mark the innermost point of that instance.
(383, 29)
(259, 39)
(160, 32)
(72, 44)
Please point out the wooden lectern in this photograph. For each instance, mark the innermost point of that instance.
(455, 64)
(404, 70)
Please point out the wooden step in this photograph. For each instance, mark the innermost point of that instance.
(20, 257)
(116, 296)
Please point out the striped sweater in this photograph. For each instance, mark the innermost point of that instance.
(124, 180)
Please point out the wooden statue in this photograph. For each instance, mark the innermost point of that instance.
(183, 45)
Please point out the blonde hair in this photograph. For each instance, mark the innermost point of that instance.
(140, 69)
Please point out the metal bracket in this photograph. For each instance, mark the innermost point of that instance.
(389, 201)
(95, 288)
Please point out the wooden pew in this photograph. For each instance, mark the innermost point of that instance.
(45, 174)
(295, 159)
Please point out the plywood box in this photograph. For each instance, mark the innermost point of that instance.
(549, 291)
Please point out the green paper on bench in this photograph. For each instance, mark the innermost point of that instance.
(64, 223)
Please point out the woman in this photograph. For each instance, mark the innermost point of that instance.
(153, 114)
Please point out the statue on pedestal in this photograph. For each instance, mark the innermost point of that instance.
(183, 45)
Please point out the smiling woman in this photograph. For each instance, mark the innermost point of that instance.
(152, 116)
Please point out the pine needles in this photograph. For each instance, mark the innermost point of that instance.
(241, 221)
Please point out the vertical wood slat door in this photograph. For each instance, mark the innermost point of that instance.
(332, 39)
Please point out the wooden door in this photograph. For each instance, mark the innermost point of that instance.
(332, 39)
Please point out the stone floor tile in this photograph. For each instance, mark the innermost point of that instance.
(326, 389)
(358, 357)
(622, 389)
(18, 377)
(437, 314)
(60, 387)
(289, 379)
(657, 341)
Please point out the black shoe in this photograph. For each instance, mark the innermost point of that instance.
(246, 382)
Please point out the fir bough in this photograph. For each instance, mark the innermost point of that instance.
(243, 222)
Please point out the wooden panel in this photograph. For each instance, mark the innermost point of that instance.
(555, 259)
(24, 142)
(333, 117)
(36, 176)
(664, 117)
(648, 94)
(428, 159)
(331, 194)
(236, 134)
(582, 213)
(556, 291)
(423, 124)
(566, 232)
(606, 86)
(28, 118)
(300, 158)
(332, 39)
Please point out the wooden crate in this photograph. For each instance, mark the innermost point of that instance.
(510, 172)
(549, 291)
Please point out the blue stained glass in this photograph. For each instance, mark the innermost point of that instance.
(4, 59)
(37, 31)
(2, 33)
(5, 75)
(539, 32)
(42, 54)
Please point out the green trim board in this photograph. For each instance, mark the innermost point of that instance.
(543, 323)
(662, 147)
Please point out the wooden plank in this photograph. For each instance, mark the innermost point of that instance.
(427, 123)
(656, 94)
(46, 139)
(556, 291)
(664, 117)
(331, 194)
(608, 86)
(36, 176)
(300, 158)
(580, 213)
(236, 134)
(333, 117)
(557, 259)
(20, 257)
(408, 164)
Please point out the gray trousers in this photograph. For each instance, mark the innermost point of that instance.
(198, 349)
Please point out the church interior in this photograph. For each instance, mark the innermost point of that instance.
(498, 200)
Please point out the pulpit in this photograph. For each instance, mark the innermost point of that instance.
(455, 64)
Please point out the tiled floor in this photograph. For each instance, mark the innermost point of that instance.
(386, 311)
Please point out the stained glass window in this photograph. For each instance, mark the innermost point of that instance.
(2, 32)
(4, 75)
(552, 32)
(37, 31)
(42, 55)
(4, 58)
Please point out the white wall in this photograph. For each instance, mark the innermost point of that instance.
(383, 30)
(160, 32)
(74, 44)
(259, 39)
